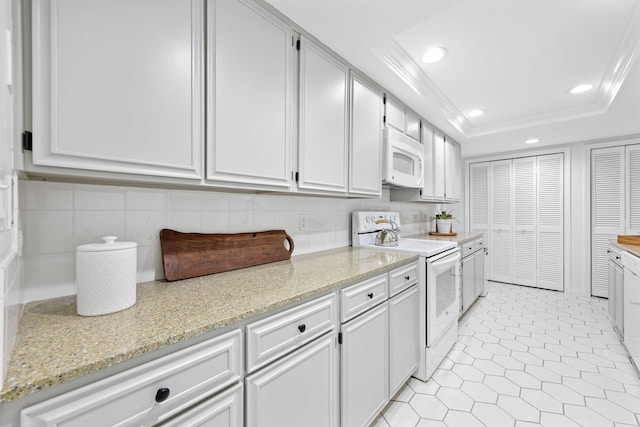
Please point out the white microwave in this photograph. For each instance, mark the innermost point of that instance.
(403, 160)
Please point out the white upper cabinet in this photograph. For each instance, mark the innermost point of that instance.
(118, 86)
(402, 118)
(453, 171)
(250, 96)
(365, 160)
(323, 120)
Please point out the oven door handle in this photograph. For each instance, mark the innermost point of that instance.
(446, 261)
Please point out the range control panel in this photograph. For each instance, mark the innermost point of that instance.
(365, 225)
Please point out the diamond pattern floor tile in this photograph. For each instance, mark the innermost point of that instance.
(526, 357)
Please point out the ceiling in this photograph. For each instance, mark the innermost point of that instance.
(516, 60)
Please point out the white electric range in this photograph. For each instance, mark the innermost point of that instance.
(439, 283)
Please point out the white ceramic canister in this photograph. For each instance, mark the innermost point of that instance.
(106, 276)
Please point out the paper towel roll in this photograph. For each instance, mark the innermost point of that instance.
(106, 276)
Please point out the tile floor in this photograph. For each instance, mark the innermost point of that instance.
(526, 357)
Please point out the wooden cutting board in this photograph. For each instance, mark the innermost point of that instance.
(186, 255)
(629, 240)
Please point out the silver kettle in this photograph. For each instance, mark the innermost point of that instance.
(388, 237)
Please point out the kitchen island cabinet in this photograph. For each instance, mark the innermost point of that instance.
(119, 90)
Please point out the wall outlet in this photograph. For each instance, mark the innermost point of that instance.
(304, 220)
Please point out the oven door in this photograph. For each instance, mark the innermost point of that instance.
(443, 285)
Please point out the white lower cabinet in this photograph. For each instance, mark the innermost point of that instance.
(365, 366)
(222, 410)
(300, 389)
(403, 337)
(147, 394)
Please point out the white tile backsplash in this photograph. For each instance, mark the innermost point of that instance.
(59, 217)
(91, 226)
(48, 196)
(49, 276)
(48, 232)
(98, 198)
(146, 200)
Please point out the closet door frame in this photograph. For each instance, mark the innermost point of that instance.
(567, 230)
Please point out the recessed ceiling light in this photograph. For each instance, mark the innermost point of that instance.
(434, 54)
(475, 113)
(581, 88)
(532, 141)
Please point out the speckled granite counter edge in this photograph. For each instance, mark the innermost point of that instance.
(40, 317)
(632, 249)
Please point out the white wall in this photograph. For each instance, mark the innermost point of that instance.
(58, 217)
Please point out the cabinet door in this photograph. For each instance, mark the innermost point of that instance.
(479, 197)
(412, 124)
(524, 221)
(365, 366)
(249, 95)
(428, 186)
(452, 172)
(365, 160)
(632, 153)
(404, 310)
(298, 390)
(322, 156)
(479, 272)
(394, 113)
(550, 222)
(468, 282)
(619, 299)
(438, 165)
(607, 210)
(222, 410)
(500, 251)
(118, 86)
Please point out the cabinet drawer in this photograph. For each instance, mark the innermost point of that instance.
(359, 298)
(276, 335)
(223, 409)
(401, 278)
(130, 398)
(467, 248)
(479, 243)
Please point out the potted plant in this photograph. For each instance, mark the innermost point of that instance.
(443, 222)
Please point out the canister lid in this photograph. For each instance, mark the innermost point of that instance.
(109, 244)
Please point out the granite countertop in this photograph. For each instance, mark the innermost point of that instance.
(633, 249)
(461, 237)
(55, 345)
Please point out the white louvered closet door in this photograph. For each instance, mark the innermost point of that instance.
(550, 213)
(524, 221)
(633, 189)
(607, 211)
(500, 221)
(479, 207)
